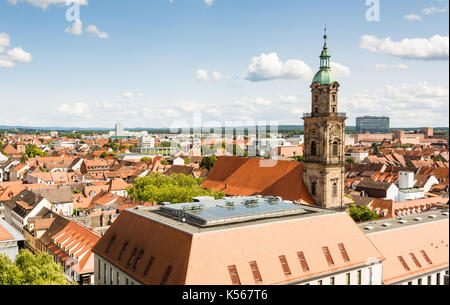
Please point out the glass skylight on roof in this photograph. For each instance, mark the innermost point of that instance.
(231, 210)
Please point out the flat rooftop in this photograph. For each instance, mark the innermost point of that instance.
(404, 221)
(230, 212)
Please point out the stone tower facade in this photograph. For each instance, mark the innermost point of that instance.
(323, 159)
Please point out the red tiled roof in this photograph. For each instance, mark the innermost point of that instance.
(252, 176)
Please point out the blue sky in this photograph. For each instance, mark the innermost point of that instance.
(153, 63)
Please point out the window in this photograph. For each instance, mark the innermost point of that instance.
(99, 270)
(414, 258)
(335, 189)
(326, 251)
(133, 254)
(255, 271)
(313, 188)
(332, 280)
(319, 282)
(347, 278)
(316, 99)
(334, 98)
(303, 261)
(358, 274)
(125, 245)
(438, 279)
(409, 283)
(126, 281)
(429, 280)
(138, 258)
(419, 282)
(149, 264)
(284, 265)
(370, 275)
(110, 276)
(104, 273)
(117, 278)
(234, 275)
(110, 243)
(343, 252)
(313, 148)
(402, 261)
(425, 256)
(334, 109)
(335, 151)
(166, 275)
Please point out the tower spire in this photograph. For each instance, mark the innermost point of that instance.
(325, 55)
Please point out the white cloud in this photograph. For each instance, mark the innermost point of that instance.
(128, 95)
(19, 55)
(216, 77)
(45, 3)
(75, 110)
(270, 67)
(76, 28)
(209, 2)
(433, 10)
(288, 99)
(414, 104)
(94, 30)
(413, 17)
(6, 63)
(9, 58)
(340, 70)
(4, 41)
(434, 48)
(386, 67)
(202, 75)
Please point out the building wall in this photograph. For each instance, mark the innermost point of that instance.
(370, 275)
(106, 274)
(436, 277)
(10, 249)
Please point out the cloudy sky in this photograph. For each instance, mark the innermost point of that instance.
(156, 63)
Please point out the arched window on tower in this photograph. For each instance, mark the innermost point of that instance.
(313, 148)
(335, 189)
(335, 149)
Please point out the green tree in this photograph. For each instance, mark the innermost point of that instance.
(375, 148)
(29, 269)
(350, 160)
(362, 213)
(32, 150)
(298, 158)
(146, 159)
(177, 188)
(187, 160)
(208, 162)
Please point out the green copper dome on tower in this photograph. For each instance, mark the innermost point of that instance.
(325, 76)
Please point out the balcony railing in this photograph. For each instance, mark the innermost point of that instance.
(334, 114)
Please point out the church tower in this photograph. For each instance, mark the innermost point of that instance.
(323, 159)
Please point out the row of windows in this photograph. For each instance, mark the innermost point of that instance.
(429, 280)
(111, 276)
(348, 278)
(415, 260)
(334, 189)
(334, 149)
(285, 266)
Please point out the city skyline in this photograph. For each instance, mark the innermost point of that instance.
(151, 64)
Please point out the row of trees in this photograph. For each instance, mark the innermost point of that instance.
(176, 188)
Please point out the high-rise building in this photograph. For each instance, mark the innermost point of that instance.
(323, 160)
(372, 124)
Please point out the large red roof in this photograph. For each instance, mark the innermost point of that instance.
(252, 176)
